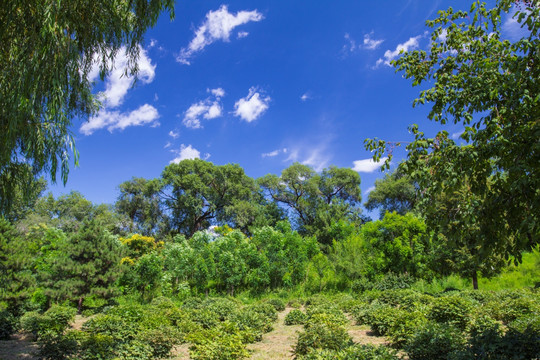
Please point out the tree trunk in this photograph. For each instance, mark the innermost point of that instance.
(475, 280)
(79, 305)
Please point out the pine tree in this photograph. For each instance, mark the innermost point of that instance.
(88, 264)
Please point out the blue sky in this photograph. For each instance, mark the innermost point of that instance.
(261, 84)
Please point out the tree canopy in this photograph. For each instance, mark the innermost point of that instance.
(48, 49)
(490, 85)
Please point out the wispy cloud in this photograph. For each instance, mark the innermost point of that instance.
(117, 85)
(174, 134)
(369, 189)
(371, 44)
(112, 120)
(186, 152)
(512, 29)
(242, 34)
(251, 107)
(411, 44)
(209, 108)
(218, 25)
(368, 43)
(313, 154)
(274, 153)
(367, 165)
(305, 97)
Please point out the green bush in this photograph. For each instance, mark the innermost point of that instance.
(329, 310)
(53, 322)
(223, 308)
(7, 324)
(322, 335)
(249, 318)
(161, 340)
(354, 352)
(295, 317)
(362, 284)
(216, 345)
(451, 309)
(278, 304)
(55, 346)
(394, 281)
(263, 308)
(435, 342)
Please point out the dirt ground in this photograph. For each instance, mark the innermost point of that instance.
(19, 347)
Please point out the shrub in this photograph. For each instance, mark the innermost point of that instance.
(434, 342)
(355, 352)
(266, 309)
(215, 345)
(53, 322)
(322, 336)
(160, 340)
(361, 285)
(55, 346)
(278, 304)
(295, 317)
(394, 281)
(7, 325)
(329, 310)
(295, 303)
(451, 309)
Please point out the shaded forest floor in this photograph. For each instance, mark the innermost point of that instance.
(277, 344)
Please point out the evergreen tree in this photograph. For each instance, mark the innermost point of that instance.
(87, 264)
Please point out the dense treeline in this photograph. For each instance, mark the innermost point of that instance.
(207, 229)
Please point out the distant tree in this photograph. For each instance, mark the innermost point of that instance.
(18, 199)
(48, 49)
(395, 192)
(314, 200)
(198, 194)
(140, 202)
(88, 263)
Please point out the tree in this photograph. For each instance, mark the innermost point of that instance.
(87, 263)
(316, 201)
(396, 192)
(18, 199)
(48, 49)
(490, 85)
(198, 194)
(140, 202)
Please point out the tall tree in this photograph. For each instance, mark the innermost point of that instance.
(316, 201)
(490, 85)
(198, 194)
(87, 263)
(139, 201)
(48, 49)
(395, 192)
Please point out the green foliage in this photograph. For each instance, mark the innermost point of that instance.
(488, 188)
(38, 102)
(435, 341)
(199, 193)
(7, 325)
(397, 243)
(354, 352)
(216, 345)
(52, 323)
(453, 309)
(316, 201)
(278, 304)
(295, 317)
(87, 263)
(394, 193)
(322, 335)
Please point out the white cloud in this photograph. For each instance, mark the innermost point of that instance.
(305, 97)
(218, 26)
(408, 45)
(186, 152)
(206, 109)
(252, 106)
(242, 34)
(112, 120)
(368, 43)
(457, 135)
(117, 84)
(316, 156)
(512, 29)
(371, 44)
(274, 153)
(367, 165)
(218, 92)
(168, 145)
(174, 134)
